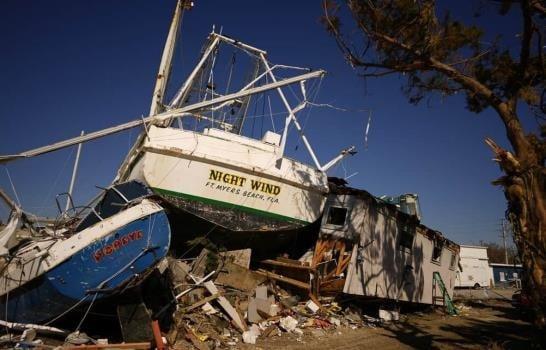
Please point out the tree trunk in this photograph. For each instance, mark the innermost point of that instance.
(528, 215)
(525, 191)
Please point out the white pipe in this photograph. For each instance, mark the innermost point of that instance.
(182, 91)
(74, 172)
(248, 85)
(292, 117)
(25, 326)
(240, 44)
(343, 154)
(157, 118)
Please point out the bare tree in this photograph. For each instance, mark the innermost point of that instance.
(443, 55)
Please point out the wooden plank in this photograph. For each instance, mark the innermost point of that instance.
(200, 303)
(287, 265)
(226, 305)
(341, 256)
(292, 261)
(333, 286)
(320, 247)
(284, 279)
(110, 346)
(238, 277)
(343, 266)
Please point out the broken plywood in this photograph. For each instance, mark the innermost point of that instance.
(239, 257)
(238, 277)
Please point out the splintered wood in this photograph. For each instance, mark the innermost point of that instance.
(331, 259)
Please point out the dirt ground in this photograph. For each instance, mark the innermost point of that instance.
(484, 323)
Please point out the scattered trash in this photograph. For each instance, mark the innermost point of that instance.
(78, 338)
(288, 323)
(389, 315)
(335, 321)
(250, 336)
(312, 306)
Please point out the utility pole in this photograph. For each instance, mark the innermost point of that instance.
(504, 241)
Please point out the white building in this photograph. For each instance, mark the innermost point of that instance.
(474, 268)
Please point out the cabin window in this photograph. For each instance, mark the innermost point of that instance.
(407, 232)
(112, 202)
(337, 216)
(437, 252)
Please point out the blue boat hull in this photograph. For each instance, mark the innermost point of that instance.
(95, 272)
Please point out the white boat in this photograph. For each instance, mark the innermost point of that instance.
(212, 171)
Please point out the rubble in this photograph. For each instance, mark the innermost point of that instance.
(312, 306)
(288, 323)
(389, 315)
(250, 336)
(218, 304)
(251, 306)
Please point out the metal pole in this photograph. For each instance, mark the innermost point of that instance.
(74, 172)
(504, 242)
(157, 118)
(292, 117)
(182, 92)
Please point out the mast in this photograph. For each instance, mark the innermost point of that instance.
(166, 59)
(162, 79)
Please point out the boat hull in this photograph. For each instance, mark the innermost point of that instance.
(191, 233)
(99, 270)
(234, 182)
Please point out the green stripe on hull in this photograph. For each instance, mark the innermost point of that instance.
(227, 205)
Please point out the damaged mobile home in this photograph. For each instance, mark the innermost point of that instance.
(382, 252)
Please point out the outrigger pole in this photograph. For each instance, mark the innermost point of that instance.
(159, 117)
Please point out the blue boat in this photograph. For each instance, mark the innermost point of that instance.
(112, 248)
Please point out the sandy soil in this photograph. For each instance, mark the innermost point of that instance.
(482, 324)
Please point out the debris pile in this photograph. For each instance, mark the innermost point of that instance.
(220, 302)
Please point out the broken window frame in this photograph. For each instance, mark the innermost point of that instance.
(437, 247)
(336, 225)
(406, 229)
(453, 262)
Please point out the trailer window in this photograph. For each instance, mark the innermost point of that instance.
(407, 232)
(453, 261)
(437, 252)
(337, 216)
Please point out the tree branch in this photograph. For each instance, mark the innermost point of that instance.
(506, 112)
(525, 41)
(538, 7)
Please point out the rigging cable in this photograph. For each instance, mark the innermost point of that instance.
(12, 186)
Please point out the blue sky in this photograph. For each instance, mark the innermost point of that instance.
(68, 66)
